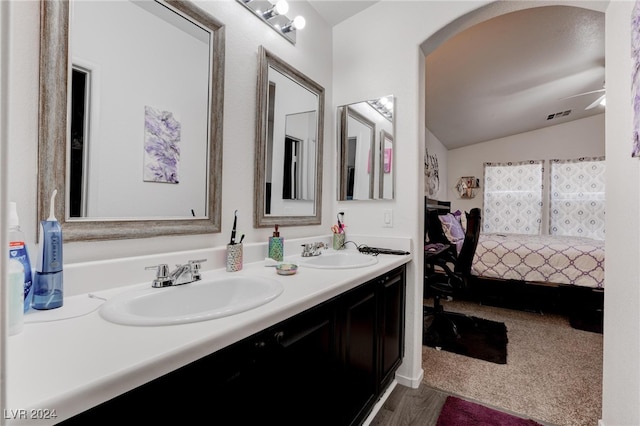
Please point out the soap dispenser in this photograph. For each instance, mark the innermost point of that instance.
(276, 246)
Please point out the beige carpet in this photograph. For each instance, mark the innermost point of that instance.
(553, 372)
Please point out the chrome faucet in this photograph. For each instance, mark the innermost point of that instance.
(312, 249)
(183, 274)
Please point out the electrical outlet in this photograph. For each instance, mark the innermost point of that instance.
(387, 218)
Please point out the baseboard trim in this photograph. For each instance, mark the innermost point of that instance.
(411, 382)
(380, 403)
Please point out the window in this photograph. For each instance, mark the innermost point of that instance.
(513, 197)
(577, 197)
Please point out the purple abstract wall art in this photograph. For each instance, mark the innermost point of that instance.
(635, 77)
(161, 146)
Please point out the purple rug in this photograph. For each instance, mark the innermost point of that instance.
(458, 412)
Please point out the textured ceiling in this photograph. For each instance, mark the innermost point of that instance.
(507, 75)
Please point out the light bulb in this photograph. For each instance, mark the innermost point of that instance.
(282, 7)
(299, 22)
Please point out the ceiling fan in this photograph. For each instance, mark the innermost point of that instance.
(600, 101)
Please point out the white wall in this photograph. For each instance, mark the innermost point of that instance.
(575, 139)
(244, 33)
(621, 374)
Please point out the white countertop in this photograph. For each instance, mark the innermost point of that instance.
(73, 364)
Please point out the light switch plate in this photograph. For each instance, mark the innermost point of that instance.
(387, 218)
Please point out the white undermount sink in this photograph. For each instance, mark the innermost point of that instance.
(339, 259)
(198, 301)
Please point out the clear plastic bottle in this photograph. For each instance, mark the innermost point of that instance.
(18, 250)
(15, 296)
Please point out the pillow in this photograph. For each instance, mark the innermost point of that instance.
(462, 218)
(451, 227)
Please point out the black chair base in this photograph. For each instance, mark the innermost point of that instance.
(441, 328)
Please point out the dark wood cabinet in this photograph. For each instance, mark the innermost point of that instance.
(325, 366)
(392, 308)
(359, 351)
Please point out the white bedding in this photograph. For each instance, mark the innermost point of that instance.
(540, 258)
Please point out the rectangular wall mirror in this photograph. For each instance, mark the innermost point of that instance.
(289, 133)
(365, 150)
(131, 118)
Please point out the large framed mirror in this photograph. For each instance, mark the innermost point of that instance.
(130, 118)
(365, 150)
(289, 140)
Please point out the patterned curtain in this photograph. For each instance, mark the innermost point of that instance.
(577, 197)
(513, 197)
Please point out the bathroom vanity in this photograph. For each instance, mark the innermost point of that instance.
(327, 366)
(323, 352)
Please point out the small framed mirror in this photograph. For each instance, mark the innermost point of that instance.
(289, 140)
(131, 136)
(365, 150)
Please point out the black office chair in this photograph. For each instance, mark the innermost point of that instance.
(438, 324)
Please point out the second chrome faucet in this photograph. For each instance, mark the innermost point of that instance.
(313, 249)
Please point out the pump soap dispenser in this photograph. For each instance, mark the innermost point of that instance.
(276, 246)
(47, 288)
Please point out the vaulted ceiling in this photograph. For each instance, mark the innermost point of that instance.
(515, 73)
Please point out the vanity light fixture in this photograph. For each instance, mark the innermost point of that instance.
(274, 15)
(384, 106)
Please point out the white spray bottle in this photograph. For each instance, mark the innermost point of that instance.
(47, 288)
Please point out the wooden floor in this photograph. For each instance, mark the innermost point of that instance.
(406, 406)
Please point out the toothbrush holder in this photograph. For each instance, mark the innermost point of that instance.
(338, 241)
(276, 248)
(234, 257)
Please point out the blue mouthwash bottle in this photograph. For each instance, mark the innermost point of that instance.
(47, 286)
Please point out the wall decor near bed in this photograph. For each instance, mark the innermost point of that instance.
(431, 174)
(635, 77)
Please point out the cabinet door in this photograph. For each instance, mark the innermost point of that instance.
(358, 352)
(302, 369)
(392, 308)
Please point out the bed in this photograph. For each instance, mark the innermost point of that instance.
(547, 259)
(532, 272)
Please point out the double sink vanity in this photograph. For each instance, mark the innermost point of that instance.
(249, 345)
